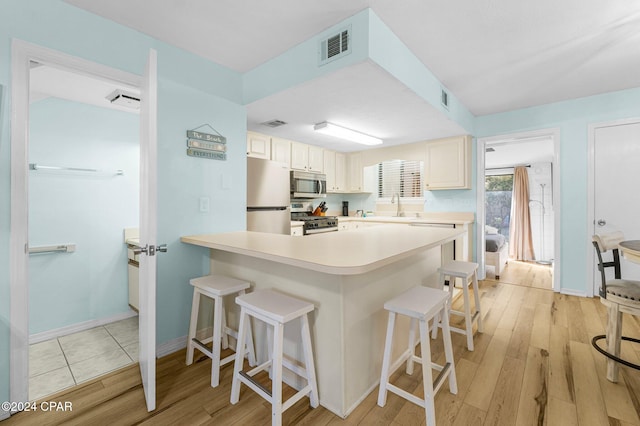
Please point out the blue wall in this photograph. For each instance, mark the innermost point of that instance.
(192, 91)
(78, 207)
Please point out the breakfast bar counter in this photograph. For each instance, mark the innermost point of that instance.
(348, 276)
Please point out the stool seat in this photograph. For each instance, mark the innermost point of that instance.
(418, 302)
(467, 272)
(276, 306)
(219, 285)
(459, 268)
(421, 304)
(276, 309)
(216, 287)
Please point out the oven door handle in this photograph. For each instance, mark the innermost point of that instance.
(320, 230)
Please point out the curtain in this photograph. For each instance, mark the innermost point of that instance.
(520, 239)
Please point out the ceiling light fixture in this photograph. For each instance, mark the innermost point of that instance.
(344, 133)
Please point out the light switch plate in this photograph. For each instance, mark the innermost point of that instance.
(204, 204)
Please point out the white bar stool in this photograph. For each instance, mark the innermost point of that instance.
(420, 304)
(216, 287)
(275, 309)
(467, 272)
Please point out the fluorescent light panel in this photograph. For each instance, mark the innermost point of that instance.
(344, 133)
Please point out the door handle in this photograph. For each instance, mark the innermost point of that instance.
(150, 250)
(602, 222)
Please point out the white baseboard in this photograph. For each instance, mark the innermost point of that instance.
(569, 292)
(179, 343)
(74, 328)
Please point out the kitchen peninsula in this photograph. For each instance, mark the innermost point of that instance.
(348, 276)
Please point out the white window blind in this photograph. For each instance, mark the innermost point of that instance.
(400, 177)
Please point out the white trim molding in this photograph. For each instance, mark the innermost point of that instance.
(81, 326)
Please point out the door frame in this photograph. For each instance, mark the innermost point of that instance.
(554, 133)
(594, 288)
(22, 53)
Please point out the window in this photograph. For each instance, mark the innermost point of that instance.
(400, 177)
(498, 194)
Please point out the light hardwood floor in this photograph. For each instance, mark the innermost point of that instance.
(533, 365)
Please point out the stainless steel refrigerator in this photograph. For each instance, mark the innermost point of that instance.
(268, 204)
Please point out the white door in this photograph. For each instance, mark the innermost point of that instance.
(616, 199)
(148, 229)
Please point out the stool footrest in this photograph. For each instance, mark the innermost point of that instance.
(444, 372)
(257, 387)
(297, 397)
(406, 395)
(201, 346)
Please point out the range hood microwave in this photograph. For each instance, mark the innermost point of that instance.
(308, 185)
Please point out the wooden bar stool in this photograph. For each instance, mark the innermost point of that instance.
(275, 309)
(216, 287)
(421, 304)
(467, 272)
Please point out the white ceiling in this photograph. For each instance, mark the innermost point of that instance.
(493, 55)
(46, 81)
(511, 153)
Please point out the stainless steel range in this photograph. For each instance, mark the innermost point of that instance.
(302, 211)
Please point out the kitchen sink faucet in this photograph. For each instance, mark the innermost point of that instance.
(396, 196)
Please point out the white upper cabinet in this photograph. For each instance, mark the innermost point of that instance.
(355, 172)
(335, 167)
(448, 164)
(308, 158)
(281, 151)
(258, 146)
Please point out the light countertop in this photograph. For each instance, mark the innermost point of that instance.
(339, 253)
(456, 218)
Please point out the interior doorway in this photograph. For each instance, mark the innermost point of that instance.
(84, 157)
(24, 57)
(536, 153)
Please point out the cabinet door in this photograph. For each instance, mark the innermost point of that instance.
(330, 170)
(281, 151)
(258, 145)
(340, 180)
(355, 172)
(316, 159)
(448, 164)
(299, 156)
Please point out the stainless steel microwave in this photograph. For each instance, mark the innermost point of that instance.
(308, 185)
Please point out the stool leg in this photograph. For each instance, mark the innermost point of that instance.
(276, 368)
(193, 324)
(386, 361)
(217, 337)
(427, 379)
(412, 345)
(225, 336)
(467, 316)
(476, 296)
(237, 366)
(308, 361)
(436, 318)
(448, 350)
(614, 337)
(250, 349)
(270, 331)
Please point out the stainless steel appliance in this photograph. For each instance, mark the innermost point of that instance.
(307, 185)
(268, 200)
(302, 211)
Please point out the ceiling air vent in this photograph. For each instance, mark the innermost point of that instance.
(273, 123)
(123, 98)
(335, 46)
(444, 98)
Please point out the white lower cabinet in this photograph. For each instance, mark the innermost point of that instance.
(296, 231)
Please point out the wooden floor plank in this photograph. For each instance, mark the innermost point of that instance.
(532, 405)
(503, 408)
(589, 400)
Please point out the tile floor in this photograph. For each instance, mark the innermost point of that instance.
(69, 360)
